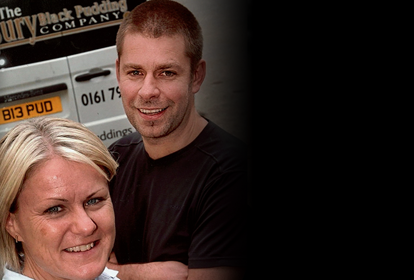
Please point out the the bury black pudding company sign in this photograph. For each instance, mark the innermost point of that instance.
(27, 23)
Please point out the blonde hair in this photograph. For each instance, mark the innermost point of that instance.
(31, 143)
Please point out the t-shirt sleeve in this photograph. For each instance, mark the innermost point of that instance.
(220, 234)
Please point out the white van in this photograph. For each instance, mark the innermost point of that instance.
(58, 58)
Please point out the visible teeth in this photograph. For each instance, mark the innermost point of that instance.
(81, 248)
(145, 111)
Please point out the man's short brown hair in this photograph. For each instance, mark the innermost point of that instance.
(164, 17)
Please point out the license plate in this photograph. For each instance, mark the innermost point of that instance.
(30, 110)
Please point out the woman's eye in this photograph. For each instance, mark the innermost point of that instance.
(92, 201)
(54, 210)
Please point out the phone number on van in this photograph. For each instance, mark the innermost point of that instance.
(99, 96)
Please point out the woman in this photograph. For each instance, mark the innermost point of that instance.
(56, 214)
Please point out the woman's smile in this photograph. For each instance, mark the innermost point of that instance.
(81, 248)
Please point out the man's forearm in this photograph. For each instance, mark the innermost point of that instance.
(170, 270)
(216, 273)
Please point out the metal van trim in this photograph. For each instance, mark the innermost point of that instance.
(32, 93)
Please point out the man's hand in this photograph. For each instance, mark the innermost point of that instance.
(170, 270)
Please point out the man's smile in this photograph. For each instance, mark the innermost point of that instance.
(151, 111)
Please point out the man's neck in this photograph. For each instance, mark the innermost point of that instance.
(175, 141)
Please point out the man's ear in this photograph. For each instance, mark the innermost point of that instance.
(199, 75)
(12, 227)
(117, 69)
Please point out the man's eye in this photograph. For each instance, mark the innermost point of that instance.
(135, 73)
(168, 73)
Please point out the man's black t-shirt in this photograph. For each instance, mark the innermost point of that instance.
(189, 206)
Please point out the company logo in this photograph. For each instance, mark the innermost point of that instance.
(16, 29)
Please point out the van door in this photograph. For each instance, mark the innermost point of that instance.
(36, 89)
(97, 94)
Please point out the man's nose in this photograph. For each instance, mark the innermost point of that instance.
(149, 88)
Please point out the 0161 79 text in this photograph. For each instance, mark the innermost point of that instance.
(99, 96)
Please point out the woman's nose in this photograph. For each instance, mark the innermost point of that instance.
(83, 224)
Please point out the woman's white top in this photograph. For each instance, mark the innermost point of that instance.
(107, 274)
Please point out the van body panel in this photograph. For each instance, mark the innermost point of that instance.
(26, 84)
(57, 58)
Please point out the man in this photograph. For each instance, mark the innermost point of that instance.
(180, 190)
